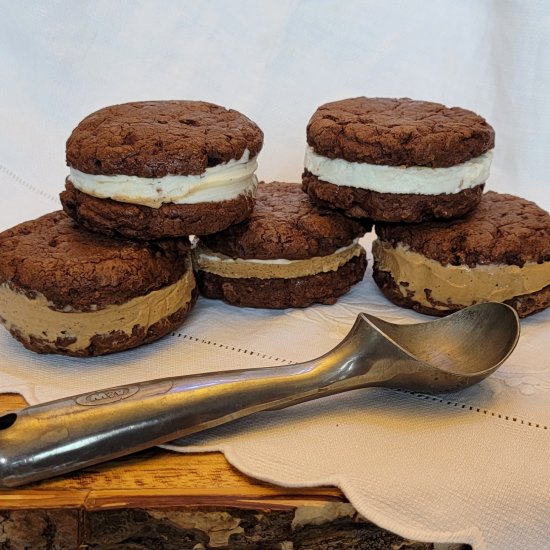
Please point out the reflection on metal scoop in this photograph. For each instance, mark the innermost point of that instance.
(446, 354)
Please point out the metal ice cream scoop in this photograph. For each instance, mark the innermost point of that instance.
(451, 353)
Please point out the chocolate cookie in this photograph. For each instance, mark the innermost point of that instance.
(500, 252)
(66, 290)
(397, 159)
(289, 253)
(157, 169)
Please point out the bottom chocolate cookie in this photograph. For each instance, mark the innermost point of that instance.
(390, 207)
(280, 293)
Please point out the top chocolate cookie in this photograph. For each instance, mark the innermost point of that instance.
(285, 224)
(398, 132)
(152, 139)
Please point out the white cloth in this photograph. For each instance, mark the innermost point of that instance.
(469, 467)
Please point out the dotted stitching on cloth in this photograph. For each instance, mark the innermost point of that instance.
(26, 184)
(476, 409)
(232, 348)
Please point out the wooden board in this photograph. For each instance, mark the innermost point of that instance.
(160, 499)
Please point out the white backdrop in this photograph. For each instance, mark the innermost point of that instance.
(276, 62)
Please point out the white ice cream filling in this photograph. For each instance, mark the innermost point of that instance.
(420, 180)
(217, 183)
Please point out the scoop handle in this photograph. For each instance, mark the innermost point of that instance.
(46, 440)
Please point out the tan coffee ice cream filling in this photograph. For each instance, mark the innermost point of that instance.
(34, 317)
(224, 266)
(460, 285)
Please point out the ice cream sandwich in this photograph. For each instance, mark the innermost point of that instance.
(289, 253)
(397, 160)
(156, 169)
(66, 290)
(500, 252)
